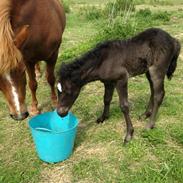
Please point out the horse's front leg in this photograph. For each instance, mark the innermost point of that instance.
(51, 77)
(124, 105)
(33, 87)
(108, 93)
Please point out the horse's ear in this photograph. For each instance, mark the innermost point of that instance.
(21, 35)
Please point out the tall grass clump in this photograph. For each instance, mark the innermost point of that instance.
(146, 17)
(91, 12)
(118, 7)
(154, 2)
(123, 26)
(161, 2)
(130, 23)
(110, 11)
(118, 29)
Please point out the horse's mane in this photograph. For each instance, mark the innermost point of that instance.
(9, 54)
(90, 59)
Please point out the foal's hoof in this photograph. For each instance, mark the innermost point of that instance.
(127, 139)
(101, 119)
(145, 115)
(149, 126)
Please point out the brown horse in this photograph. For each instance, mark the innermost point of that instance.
(30, 31)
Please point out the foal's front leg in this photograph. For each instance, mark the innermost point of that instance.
(109, 89)
(123, 97)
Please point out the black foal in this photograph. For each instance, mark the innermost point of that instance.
(153, 52)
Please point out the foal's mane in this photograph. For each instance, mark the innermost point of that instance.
(91, 59)
(9, 54)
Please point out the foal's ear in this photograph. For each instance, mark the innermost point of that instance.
(21, 36)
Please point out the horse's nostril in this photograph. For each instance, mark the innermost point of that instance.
(25, 115)
(14, 117)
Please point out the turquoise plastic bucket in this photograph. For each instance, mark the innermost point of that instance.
(53, 136)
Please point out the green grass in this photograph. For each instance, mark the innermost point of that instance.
(99, 155)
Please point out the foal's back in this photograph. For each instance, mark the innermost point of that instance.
(153, 47)
(39, 15)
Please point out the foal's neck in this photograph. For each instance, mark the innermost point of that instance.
(89, 72)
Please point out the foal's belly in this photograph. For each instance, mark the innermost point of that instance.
(137, 66)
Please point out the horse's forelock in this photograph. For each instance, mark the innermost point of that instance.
(10, 56)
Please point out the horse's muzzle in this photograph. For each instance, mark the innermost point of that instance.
(20, 117)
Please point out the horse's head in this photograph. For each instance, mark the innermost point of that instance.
(68, 92)
(13, 86)
(13, 78)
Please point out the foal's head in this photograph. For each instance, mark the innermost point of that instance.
(69, 87)
(13, 86)
(68, 92)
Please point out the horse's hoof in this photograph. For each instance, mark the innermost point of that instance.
(38, 74)
(54, 102)
(34, 112)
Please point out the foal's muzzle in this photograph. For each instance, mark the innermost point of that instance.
(20, 117)
(62, 112)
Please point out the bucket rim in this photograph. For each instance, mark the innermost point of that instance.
(55, 132)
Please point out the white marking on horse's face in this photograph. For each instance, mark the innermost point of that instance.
(59, 87)
(14, 93)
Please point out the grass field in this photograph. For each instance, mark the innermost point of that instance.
(99, 156)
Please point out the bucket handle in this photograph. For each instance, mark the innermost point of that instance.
(43, 129)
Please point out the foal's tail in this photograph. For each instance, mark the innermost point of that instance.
(173, 63)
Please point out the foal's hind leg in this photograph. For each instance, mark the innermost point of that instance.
(158, 86)
(123, 97)
(51, 77)
(149, 109)
(109, 89)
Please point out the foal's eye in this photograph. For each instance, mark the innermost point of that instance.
(59, 87)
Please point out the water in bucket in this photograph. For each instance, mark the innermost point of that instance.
(53, 136)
